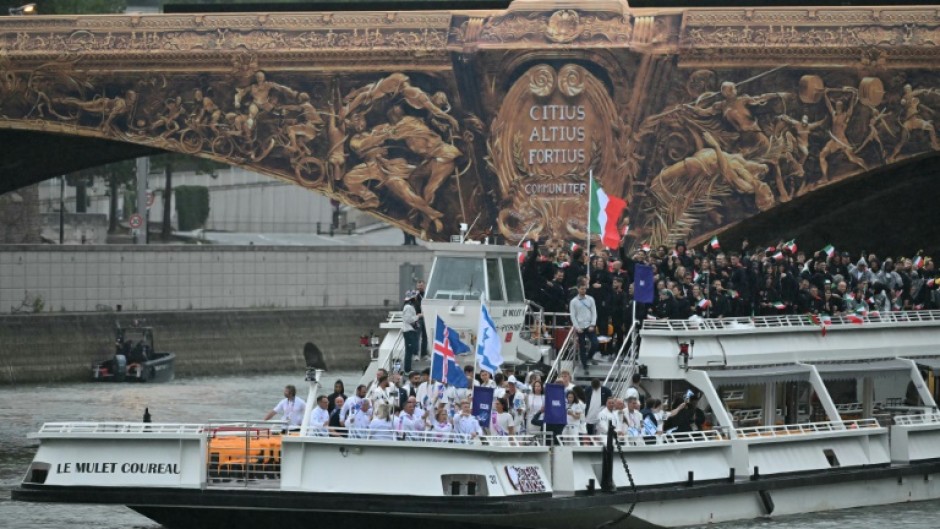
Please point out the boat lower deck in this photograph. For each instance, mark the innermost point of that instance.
(234, 507)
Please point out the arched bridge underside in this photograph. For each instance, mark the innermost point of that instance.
(698, 118)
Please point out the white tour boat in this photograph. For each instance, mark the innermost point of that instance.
(801, 417)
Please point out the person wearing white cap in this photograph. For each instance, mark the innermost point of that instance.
(409, 329)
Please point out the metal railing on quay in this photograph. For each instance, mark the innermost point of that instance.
(119, 428)
(426, 438)
(810, 428)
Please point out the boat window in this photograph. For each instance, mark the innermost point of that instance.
(494, 280)
(514, 292)
(456, 278)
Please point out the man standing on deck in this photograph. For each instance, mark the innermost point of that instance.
(421, 327)
(291, 408)
(584, 320)
(353, 404)
(320, 417)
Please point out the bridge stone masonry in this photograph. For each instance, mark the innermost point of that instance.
(698, 118)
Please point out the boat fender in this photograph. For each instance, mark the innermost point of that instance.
(766, 501)
(120, 367)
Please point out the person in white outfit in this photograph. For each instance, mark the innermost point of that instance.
(290, 408)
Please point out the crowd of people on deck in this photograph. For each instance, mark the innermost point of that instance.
(594, 294)
(710, 282)
(412, 408)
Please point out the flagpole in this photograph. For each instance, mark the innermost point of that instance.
(590, 199)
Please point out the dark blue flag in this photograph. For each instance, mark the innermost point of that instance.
(643, 284)
(556, 405)
(482, 405)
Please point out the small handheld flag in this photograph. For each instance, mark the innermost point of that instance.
(829, 250)
(714, 243)
(605, 211)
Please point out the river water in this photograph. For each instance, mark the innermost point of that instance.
(23, 409)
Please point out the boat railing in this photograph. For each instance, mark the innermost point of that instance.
(621, 370)
(119, 428)
(684, 438)
(792, 321)
(537, 327)
(244, 453)
(396, 355)
(782, 430)
(930, 417)
(566, 357)
(428, 437)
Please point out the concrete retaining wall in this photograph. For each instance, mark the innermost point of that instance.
(44, 348)
(185, 277)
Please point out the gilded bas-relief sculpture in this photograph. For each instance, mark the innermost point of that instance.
(698, 119)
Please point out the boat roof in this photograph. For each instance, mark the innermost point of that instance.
(769, 342)
(472, 248)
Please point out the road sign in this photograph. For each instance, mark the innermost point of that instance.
(135, 221)
(150, 199)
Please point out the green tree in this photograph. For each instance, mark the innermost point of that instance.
(169, 164)
(79, 7)
(114, 175)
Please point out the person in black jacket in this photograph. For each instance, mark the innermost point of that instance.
(720, 305)
(575, 268)
(689, 418)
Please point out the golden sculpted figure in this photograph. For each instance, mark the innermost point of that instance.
(838, 142)
(108, 108)
(913, 120)
(388, 173)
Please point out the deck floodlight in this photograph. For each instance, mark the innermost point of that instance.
(27, 9)
(684, 355)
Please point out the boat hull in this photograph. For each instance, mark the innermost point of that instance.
(155, 370)
(657, 506)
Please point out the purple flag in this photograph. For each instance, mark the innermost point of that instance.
(482, 405)
(556, 409)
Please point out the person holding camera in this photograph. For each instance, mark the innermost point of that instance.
(689, 418)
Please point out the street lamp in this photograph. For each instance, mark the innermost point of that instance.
(27, 9)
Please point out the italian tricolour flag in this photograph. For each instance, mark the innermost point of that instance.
(605, 214)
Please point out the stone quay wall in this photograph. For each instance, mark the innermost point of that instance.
(198, 277)
(47, 348)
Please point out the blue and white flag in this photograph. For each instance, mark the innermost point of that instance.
(444, 365)
(488, 343)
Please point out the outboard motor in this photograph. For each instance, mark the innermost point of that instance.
(120, 367)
